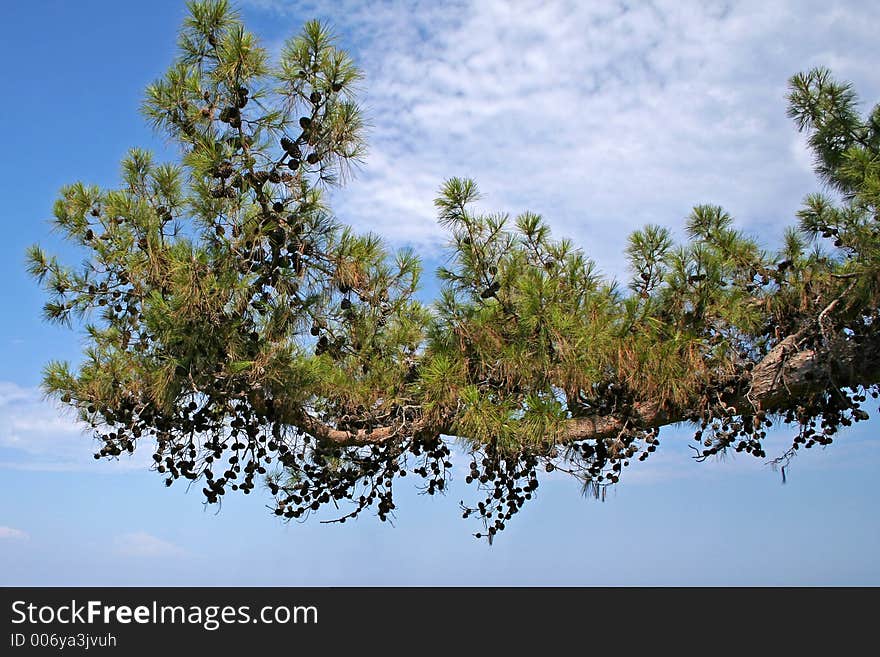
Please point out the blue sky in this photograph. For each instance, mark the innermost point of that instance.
(599, 116)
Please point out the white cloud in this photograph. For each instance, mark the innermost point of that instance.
(40, 434)
(601, 116)
(142, 544)
(12, 534)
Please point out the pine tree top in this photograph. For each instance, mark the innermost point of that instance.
(238, 330)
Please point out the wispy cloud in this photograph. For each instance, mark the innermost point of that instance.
(601, 116)
(142, 544)
(12, 534)
(39, 434)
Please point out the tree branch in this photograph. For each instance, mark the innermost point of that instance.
(322, 432)
(785, 374)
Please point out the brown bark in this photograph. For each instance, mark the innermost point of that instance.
(783, 376)
(322, 432)
(783, 373)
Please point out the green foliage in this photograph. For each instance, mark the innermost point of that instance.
(233, 323)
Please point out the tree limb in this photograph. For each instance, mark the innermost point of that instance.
(786, 373)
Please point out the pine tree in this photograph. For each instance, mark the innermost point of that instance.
(239, 331)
